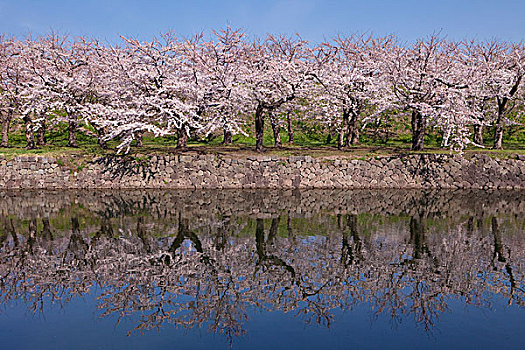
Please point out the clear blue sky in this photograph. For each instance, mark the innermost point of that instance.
(313, 19)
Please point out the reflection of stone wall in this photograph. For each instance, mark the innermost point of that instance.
(213, 204)
(209, 171)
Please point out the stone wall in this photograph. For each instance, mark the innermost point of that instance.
(218, 172)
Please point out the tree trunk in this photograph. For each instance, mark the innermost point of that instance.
(418, 131)
(101, 142)
(260, 243)
(41, 134)
(499, 254)
(352, 136)
(182, 234)
(46, 230)
(259, 128)
(31, 239)
(478, 134)
(11, 229)
(498, 128)
(30, 137)
(502, 109)
(498, 135)
(228, 137)
(291, 235)
(139, 138)
(72, 132)
(182, 140)
(106, 230)
(274, 229)
(101, 132)
(6, 120)
(351, 253)
(141, 232)
(291, 139)
(417, 236)
(221, 236)
(343, 129)
(276, 128)
(498, 245)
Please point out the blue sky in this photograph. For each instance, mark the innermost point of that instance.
(313, 19)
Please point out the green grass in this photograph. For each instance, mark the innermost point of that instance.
(308, 141)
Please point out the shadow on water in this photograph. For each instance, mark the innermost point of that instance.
(207, 259)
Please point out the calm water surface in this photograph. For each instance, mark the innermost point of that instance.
(262, 270)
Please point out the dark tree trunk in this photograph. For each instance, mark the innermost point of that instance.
(498, 128)
(418, 239)
(498, 245)
(351, 253)
(228, 137)
(77, 245)
(499, 255)
(11, 228)
(478, 134)
(182, 140)
(343, 130)
(291, 138)
(276, 128)
(139, 138)
(141, 232)
(291, 235)
(106, 229)
(30, 137)
(101, 142)
(32, 228)
(498, 135)
(502, 110)
(259, 239)
(6, 121)
(274, 229)
(46, 230)
(41, 134)
(3, 230)
(417, 236)
(352, 136)
(182, 233)
(418, 123)
(221, 237)
(75, 226)
(101, 132)
(259, 128)
(72, 132)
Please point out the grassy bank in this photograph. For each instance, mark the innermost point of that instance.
(313, 143)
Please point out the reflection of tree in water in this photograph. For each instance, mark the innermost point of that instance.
(212, 272)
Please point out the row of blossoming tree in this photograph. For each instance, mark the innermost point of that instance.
(196, 86)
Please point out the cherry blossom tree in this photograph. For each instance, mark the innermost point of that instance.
(349, 79)
(277, 72)
(156, 91)
(22, 92)
(200, 87)
(8, 79)
(217, 66)
(118, 110)
(62, 78)
(424, 80)
(501, 67)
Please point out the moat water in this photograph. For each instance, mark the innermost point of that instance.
(262, 270)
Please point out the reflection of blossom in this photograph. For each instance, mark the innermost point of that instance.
(211, 272)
